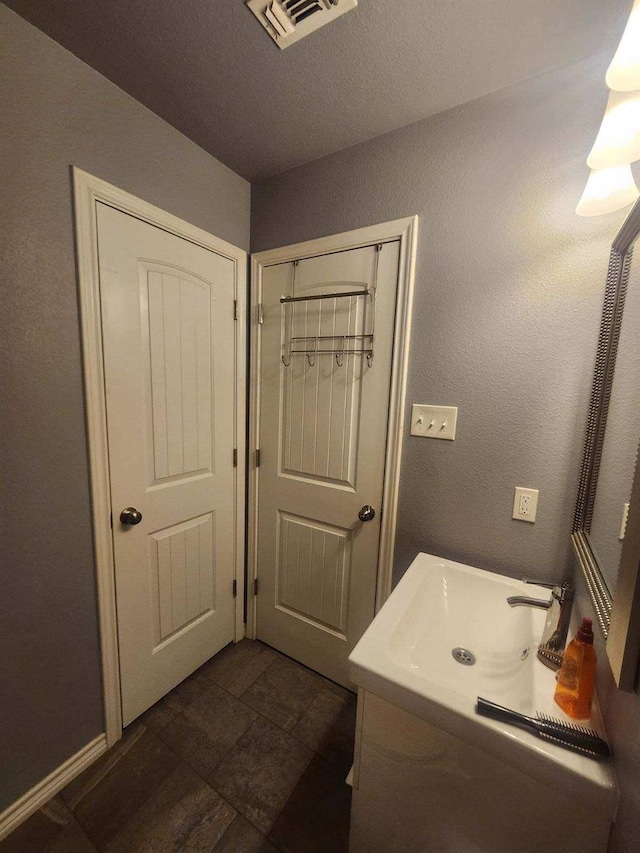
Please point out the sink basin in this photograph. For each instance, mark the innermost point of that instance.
(458, 607)
(405, 657)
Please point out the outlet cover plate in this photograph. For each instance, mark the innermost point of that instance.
(434, 421)
(525, 504)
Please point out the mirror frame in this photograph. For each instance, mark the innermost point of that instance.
(619, 620)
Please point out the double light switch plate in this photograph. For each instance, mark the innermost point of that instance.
(434, 421)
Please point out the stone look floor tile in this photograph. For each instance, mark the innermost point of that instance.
(205, 732)
(260, 772)
(328, 726)
(105, 808)
(71, 840)
(338, 689)
(283, 692)
(183, 814)
(168, 708)
(140, 796)
(316, 816)
(238, 665)
(243, 837)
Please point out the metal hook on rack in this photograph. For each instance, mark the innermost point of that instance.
(311, 356)
(340, 354)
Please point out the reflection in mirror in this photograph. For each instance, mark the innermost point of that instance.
(620, 447)
(608, 553)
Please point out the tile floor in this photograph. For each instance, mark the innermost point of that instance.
(248, 755)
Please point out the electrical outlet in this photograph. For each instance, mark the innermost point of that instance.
(525, 504)
(434, 421)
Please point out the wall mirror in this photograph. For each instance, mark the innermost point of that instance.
(606, 529)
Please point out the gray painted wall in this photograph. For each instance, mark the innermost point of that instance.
(507, 308)
(508, 296)
(56, 111)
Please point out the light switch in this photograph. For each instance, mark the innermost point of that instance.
(434, 421)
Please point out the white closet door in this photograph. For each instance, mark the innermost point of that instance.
(169, 343)
(322, 452)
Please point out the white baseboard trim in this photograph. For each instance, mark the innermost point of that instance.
(41, 793)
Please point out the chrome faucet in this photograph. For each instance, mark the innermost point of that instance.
(556, 628)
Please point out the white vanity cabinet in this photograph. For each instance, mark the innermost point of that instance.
(431, 775)
(418, 789)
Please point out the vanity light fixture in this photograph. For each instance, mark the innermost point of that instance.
(611, 185)
(618, 142)
(624, 72)
(608, 190)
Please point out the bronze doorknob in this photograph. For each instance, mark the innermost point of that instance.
(367, 513)
(130, 515)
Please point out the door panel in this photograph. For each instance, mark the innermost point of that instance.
(169, 344)
(312, 571)
(323, 423)
(181, 558)
(178, 339)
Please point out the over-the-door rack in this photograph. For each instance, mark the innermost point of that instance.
(313, 345)
(336, 345)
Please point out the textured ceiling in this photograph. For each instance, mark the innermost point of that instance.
(208, 68)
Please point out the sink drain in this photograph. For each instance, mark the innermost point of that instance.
(463, 656)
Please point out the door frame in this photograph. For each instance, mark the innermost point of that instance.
(87, 192)
(406, 232)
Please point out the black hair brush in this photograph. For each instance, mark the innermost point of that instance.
(568, 735)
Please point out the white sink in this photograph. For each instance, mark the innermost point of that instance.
(405, 657)
(457, 607)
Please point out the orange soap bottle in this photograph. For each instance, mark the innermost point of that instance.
(574, 692)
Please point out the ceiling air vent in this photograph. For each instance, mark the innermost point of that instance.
(288, 21)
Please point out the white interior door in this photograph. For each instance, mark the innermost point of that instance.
(170, 376)
(322, 441)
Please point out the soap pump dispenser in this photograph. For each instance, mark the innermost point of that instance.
(574, 691)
